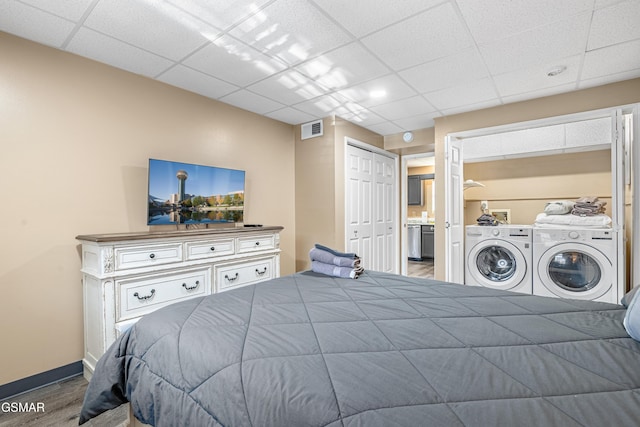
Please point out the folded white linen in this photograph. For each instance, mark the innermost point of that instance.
(601, 221)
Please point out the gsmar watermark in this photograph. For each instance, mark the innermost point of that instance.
(21, 407)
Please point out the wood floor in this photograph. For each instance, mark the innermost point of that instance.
(424, 268)
(60, 404)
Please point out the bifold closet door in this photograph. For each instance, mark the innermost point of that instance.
(359, 202)
(370, 193)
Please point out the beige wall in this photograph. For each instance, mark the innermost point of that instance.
(76, 137)
(320, 179)
(525, 185)
(616, 94)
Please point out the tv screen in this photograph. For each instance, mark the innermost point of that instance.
(183, 193)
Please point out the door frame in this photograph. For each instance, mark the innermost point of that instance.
(396, 212)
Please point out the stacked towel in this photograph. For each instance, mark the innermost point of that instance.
(486, 219)
(588, 206)
(327, 261)
(559, 207)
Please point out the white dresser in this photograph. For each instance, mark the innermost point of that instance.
(128, 275)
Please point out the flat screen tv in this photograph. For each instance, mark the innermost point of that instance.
(184, 193)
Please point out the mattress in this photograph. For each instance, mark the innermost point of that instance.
(382, 350)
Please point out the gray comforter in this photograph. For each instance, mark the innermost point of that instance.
(383, 350)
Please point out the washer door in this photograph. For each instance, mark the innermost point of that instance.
(497, 264)
(575, 270)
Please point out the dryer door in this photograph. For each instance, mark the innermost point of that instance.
(497, 264)
(575, 270)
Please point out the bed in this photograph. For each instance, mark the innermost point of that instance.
(382, 350)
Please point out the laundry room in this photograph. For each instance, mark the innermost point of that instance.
(549, 195)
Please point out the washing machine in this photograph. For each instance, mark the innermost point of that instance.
(575, 263)
(499, 257)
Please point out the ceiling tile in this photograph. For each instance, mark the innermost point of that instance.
(33, 24)
(392, 85)
(288, 87)
(233, 61)
(157, 27)
(68, 9)
(436, 33)
(446, 72)
(612, 60)
(494, 20)
(536, 78)
(610, 78)
(326, 105)
(539, 93)
(542, 44)
(364, 118)
(403, 108)
(292, 30)
(221, 13)
(416, 122)
(471, 107)
(197, 82)
(345, 66)
(251, 102)
(615, 24)
(361, 17)
(291, 116)
(386, 128)
(322, 106)
(105, 49)
(465, 94)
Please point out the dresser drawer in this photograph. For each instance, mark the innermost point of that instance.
(228, 276)
(210, 248)
(141, 295)
(256, 243)
(147, 256)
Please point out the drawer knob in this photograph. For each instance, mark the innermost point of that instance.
(145, 297)
(231, 279)
(213, 248)
(257, 243)
(260, 273)
(190, 288)
(152, 256)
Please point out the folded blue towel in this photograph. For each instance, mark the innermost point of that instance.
(336, 253)
(334, 270)
(329, 258)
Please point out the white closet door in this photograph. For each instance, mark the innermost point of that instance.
(454, 224)
(359, 194)
(371, 208)
(384, 218)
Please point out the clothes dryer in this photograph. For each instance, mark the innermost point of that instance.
(576, 263)
(499, 257)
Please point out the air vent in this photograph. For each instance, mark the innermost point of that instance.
(311, 129)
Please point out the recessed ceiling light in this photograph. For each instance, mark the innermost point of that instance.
(556, 70)
(378, 93)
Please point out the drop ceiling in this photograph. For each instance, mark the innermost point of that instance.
(388, 66)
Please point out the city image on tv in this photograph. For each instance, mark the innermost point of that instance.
(184, 193)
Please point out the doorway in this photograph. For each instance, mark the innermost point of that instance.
(418, 215)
